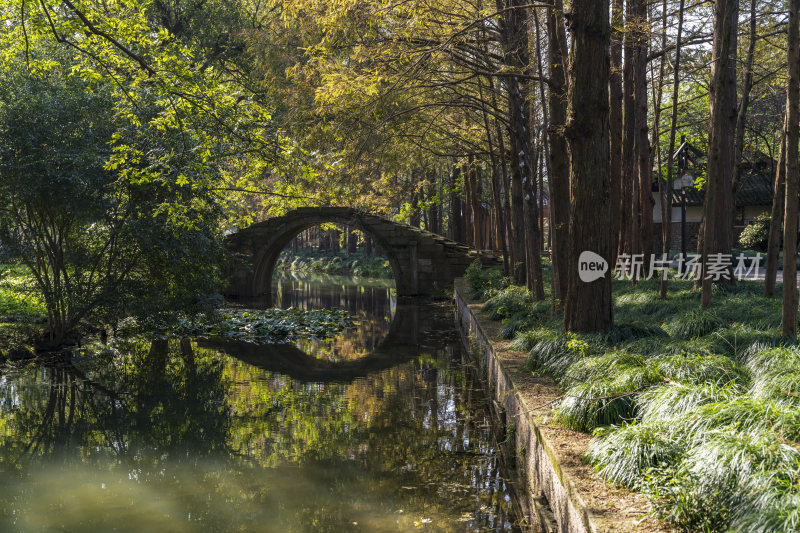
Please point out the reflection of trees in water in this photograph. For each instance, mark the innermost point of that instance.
(418, 436)
(355, 343)
(165, 406)
(371, 306)
(226, 443)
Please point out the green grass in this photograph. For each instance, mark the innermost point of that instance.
(22, 313)
(698, 409)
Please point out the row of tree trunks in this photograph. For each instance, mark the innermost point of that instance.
(514, 30)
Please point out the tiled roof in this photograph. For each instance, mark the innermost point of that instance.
(756, 189)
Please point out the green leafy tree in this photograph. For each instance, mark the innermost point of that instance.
(99, 235)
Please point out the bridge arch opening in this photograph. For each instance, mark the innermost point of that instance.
(337, 250)
(266, 260)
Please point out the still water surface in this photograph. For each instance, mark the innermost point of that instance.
(382, 429)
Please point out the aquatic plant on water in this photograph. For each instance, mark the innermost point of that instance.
(270, 326)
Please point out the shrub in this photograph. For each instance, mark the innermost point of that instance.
(755, 236)
(484, 282)
(511, 301)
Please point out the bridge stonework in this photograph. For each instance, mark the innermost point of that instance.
(422, 262)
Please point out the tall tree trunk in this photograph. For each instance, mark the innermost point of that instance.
(515, 50)
(776, 219)
(335, 236)
(588, 305)
(719, 175)
(352, 241)
(497, 202)
(547, 161)
(456, 214)
(789, 322)
(414, 218)
(631, 198)
(664, 192)
(642, 143)
(469, 236)
(619, 218)
(506, 188)
(540, 197)
(741, 115)
(673, 124)
(517, 217)
(432, 222)
(475, 198)
(532, 245)
(558, 167)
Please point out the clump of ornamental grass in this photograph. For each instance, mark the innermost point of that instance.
(745, 415)
(776, 374)
(659, 346)
(696, 367)
(774, 503)
(604, 390)
(674, 399)
(781, 386)
(515, 307)
(759, 361)
(754, 310)
(625, 454)
(647, 305)
(526, 339)
(695, 323)
(738, 337)
(731, 483)
(630, 331)
(556, 352)
(513, 325)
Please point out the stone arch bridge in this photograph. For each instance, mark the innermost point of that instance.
(422, 262)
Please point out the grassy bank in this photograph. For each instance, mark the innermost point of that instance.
(22, 313)
(356, 264)
(700, 410)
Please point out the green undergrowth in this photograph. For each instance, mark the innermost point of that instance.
(698, 409)
(356, 264)
(269, 326)
(22, 313)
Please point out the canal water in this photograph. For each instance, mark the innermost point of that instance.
(384, 428)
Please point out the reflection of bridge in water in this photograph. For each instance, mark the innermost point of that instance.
(412, 327)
